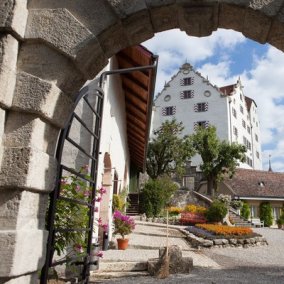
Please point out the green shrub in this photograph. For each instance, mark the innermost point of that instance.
(245, 211)
(217, 211)
(119, 201)
(236, 204)
(155, 195)
(265, 214)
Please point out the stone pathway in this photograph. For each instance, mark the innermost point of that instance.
(219, 265)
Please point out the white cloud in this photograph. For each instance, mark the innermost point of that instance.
(175, 48)
(263, 81)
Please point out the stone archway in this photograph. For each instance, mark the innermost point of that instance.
(48, 49)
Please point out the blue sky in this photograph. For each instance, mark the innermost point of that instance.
(223, 57)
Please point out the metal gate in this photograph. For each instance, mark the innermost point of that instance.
(70, 216)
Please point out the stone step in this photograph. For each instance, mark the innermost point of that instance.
(119, 266)
(110, 275)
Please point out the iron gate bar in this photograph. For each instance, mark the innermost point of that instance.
(71, 230)
(55, 194)
(85, 126)
(79, 201)
(72, 171)
(79, 147)
(94, 111)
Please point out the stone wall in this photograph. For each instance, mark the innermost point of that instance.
(48, 49)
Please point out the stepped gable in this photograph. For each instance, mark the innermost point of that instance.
(253, 183)
(185, 66)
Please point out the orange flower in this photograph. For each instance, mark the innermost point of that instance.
(226, 230)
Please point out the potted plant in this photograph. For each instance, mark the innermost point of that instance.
(123, 225)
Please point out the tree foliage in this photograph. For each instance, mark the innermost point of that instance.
(219, 158)
(155, 195)
(168, 151)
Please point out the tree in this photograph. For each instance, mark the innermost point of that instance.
(155, 195)
(168, 151)
(219, 158)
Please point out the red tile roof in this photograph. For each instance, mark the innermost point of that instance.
(228, 90)
(253, 183)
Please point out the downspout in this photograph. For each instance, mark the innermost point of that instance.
(251, 136)
(230, 122)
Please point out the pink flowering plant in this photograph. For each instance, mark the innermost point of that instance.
(124, 225)
(72, 214)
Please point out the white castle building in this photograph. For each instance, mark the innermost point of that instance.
(192, 99)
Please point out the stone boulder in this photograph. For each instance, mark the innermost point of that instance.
(177, 263)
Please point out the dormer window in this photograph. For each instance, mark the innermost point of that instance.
(261, 183)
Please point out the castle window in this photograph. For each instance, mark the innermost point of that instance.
(241, 97)
(244, 124)
(187, 94)
(204, 124)
(248, 129)
(171, 110)
(256, 138)
(200, 107)
(187, 81)
(249, 161)
(235, 130)
(241, 109)
(257, 154)
(234, 112)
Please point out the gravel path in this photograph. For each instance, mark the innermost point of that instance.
(252, 265)
(271, 255)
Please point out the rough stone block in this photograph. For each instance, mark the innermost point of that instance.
(164, 18)
(269, 9)
(94, 15)
(59, 28)
(231, 17)
(276, 35)
(113, 40)
(138, 27)
(198, 20)
(46, 63)
(256, 26)
(124, 8)
(20, 255)
(43, 98)
(22, 210)
(13, 16)
(8, 61)
(27, 168)
(24, 130)
(91, 58)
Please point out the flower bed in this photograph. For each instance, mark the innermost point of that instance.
(222, 236)
(226, 230)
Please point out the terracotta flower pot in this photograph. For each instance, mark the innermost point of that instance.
(122, 244)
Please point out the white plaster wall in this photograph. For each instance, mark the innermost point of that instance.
(114, 134)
